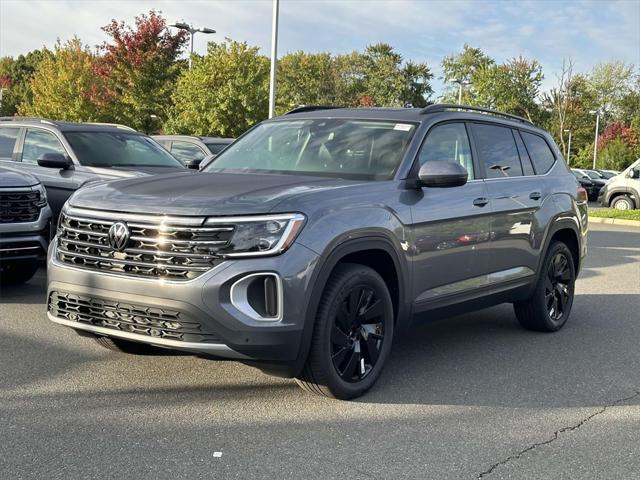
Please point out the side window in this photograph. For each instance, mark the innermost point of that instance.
(185, 151)
(497, 151)
(541, 155)
(448, 142)
(38, 142)
(527, 167)
(8, 137)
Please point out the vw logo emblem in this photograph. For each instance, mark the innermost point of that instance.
(118, 236)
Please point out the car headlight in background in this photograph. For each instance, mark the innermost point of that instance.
(262, 235)
(43, 195)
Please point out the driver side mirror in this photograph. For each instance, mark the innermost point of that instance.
(207, 160)
(54, 160)
(634, 173)
(193, 164)
(442, 174)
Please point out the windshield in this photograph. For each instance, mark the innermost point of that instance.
(116, 149)
(594, 175)
(216, 148)
(368, 150)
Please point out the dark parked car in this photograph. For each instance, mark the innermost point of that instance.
(587, 184)
(65, 156)
(320, 235)
(25, 226)
(191, 150)
(597, 180)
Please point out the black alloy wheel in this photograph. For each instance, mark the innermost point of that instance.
(352, 335)
(357, 334)
(556, 287)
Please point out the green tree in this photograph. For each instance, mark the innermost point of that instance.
(629, 105)
(389, 83)
(464, 67)
(307, 79)
(64, 85)
(139, 70)
(610, 82)
(512, 87)
(15, 79)
(224, 93)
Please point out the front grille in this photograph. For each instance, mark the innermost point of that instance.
(156, 248)
(19, 207)
(126, 317)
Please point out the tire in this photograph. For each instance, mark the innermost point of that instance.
(15, 273)
(125, 346)
(623, 202)
(549, 307)
(347, 355)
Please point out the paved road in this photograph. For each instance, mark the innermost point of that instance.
(472, 396)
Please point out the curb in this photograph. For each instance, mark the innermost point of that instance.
(615, 221)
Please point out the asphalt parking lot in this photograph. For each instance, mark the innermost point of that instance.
(474, 396)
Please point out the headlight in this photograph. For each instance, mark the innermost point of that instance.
(43, 195)
(257, 236)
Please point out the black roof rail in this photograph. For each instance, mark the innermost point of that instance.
(441, 107)
(311, 108)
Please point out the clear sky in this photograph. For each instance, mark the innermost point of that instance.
(588, 31)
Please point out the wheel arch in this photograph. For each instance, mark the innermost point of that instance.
(567, 231)
(377, 251)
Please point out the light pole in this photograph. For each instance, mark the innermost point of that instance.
(595, 144)
(274, 58)
(460, 85)
(192, 31)
(568, 146)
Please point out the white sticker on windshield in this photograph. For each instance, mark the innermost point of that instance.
(405, 127)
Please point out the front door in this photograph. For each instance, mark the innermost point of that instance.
(60, 184)
(451, 226)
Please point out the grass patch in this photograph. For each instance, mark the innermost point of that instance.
(613, 213)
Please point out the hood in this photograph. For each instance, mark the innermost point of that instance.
(14, 178)
(201, 194)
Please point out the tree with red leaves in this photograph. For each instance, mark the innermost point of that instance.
(139, 70)
(628, 135)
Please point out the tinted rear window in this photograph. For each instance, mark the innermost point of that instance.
(539, 151)
(497, 151)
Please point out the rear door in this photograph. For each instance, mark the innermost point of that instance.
(515, 193)
(451, 226)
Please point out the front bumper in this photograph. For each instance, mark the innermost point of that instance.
(26, 240)
(205, 300)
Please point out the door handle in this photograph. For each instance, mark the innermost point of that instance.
(535, 195)
(480, 202)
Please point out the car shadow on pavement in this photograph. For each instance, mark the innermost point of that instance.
(487, 359)
(30, 293)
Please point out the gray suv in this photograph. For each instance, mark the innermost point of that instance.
(192, 151)
(320, 235)
(25, 226)
(64, 156)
